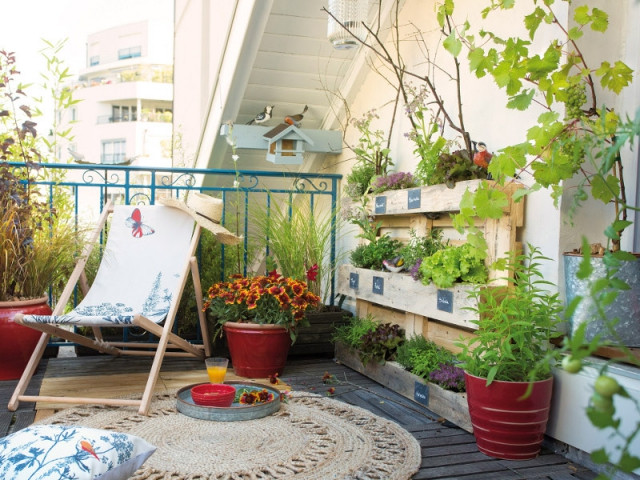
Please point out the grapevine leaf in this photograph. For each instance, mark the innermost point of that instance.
(628, 462)
(490, 203)
(452, 44)
(532, 22)
(605, 189)
(522, 100)
(599, 20)
(614, 77)
(575, 33)
(581, 15)
(600, 456)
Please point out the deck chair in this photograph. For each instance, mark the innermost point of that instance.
(144, 268)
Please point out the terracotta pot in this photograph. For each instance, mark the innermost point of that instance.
(257, 351)
(17, 342)
(506, 426)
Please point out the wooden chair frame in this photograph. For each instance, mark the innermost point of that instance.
(167, 339)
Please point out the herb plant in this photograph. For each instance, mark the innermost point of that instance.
(449, 377)
(372, 254)
(516, 324)
(419, 247)
(393, 181)
(354, 330)
(380, 344)
(464, 263)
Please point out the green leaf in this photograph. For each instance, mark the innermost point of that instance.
(522, 100)
(603, 189)
(600, 456)
(628, 462)
(532, 21)
(581, 15)
(615, 77)
(490, 203)
(599, 20)
(575, 33)
(452, 44)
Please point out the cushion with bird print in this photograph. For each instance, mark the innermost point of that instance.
(43, 452)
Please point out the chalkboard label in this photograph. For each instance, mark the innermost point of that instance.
(378, 285)
(421, 393)
(413, 198)
(354, 280)
(381, 205)
(445, 301)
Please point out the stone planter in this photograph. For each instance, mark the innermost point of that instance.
(445, 403)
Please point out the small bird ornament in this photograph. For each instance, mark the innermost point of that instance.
(482, 157)
(396, 264)
(296, 119)
(263, 116)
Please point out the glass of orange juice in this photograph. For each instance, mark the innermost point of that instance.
(216, 369)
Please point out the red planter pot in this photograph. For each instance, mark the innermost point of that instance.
(17, 342)
(257, 351)
(504, 425)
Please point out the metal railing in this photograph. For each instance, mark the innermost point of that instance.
(89, 187)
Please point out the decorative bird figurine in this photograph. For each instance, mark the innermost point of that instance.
(87, 447)
(396, 264)
(263, 116)
(296, 119)
(482, 157)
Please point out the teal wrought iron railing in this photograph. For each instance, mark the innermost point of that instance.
(89, 187)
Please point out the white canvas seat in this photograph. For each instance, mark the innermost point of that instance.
(140, 280)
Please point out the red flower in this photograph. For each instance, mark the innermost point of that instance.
(312, 273)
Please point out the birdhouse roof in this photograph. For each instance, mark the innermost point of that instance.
(284, 131)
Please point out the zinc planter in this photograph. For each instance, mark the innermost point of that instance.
(505, 425)
(257, 351)
(16, 341)
(626, 307)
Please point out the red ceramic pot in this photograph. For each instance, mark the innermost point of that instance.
(257, 351)
(504, 424)
(16, 341)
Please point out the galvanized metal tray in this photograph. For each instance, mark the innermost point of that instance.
(236, 412)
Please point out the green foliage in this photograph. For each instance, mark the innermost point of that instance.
(463, 263)
(352, 332)
(421, 356)
(516, 324)
(371, 150)
(455, 167)
(298, 238)
(418, 248)
(359, 180)
(371, 255)
(381, 343)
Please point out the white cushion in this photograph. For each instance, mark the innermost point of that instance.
(48, 452)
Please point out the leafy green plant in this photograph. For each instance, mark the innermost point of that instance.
(422, 356)
(380, 344)
(463, 263)
(359, 180)
(299, 239)
(418, 248)
(371, 255)
(351, 333)
(371, 150)
(516, 325)
(454, 167)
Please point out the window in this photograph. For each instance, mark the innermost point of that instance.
(113, 151)
(94, 60)
(124, 113)
(74, 114)
(130, 52)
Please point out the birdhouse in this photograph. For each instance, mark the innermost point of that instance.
(286, 144)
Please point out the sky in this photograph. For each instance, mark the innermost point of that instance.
(26, 22)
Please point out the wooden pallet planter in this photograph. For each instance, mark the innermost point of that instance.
(445, 403)
(317, 338)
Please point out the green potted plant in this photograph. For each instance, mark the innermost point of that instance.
(260, 317)
(507, 363)
(298, 240)
(38, 243)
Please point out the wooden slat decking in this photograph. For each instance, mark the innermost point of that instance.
(448, 452)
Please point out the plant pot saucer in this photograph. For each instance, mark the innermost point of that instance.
(236, 412)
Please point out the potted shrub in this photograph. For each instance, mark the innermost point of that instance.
(507, 366)
(260, 317)
(38, 242)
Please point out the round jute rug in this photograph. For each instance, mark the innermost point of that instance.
(311, 437)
